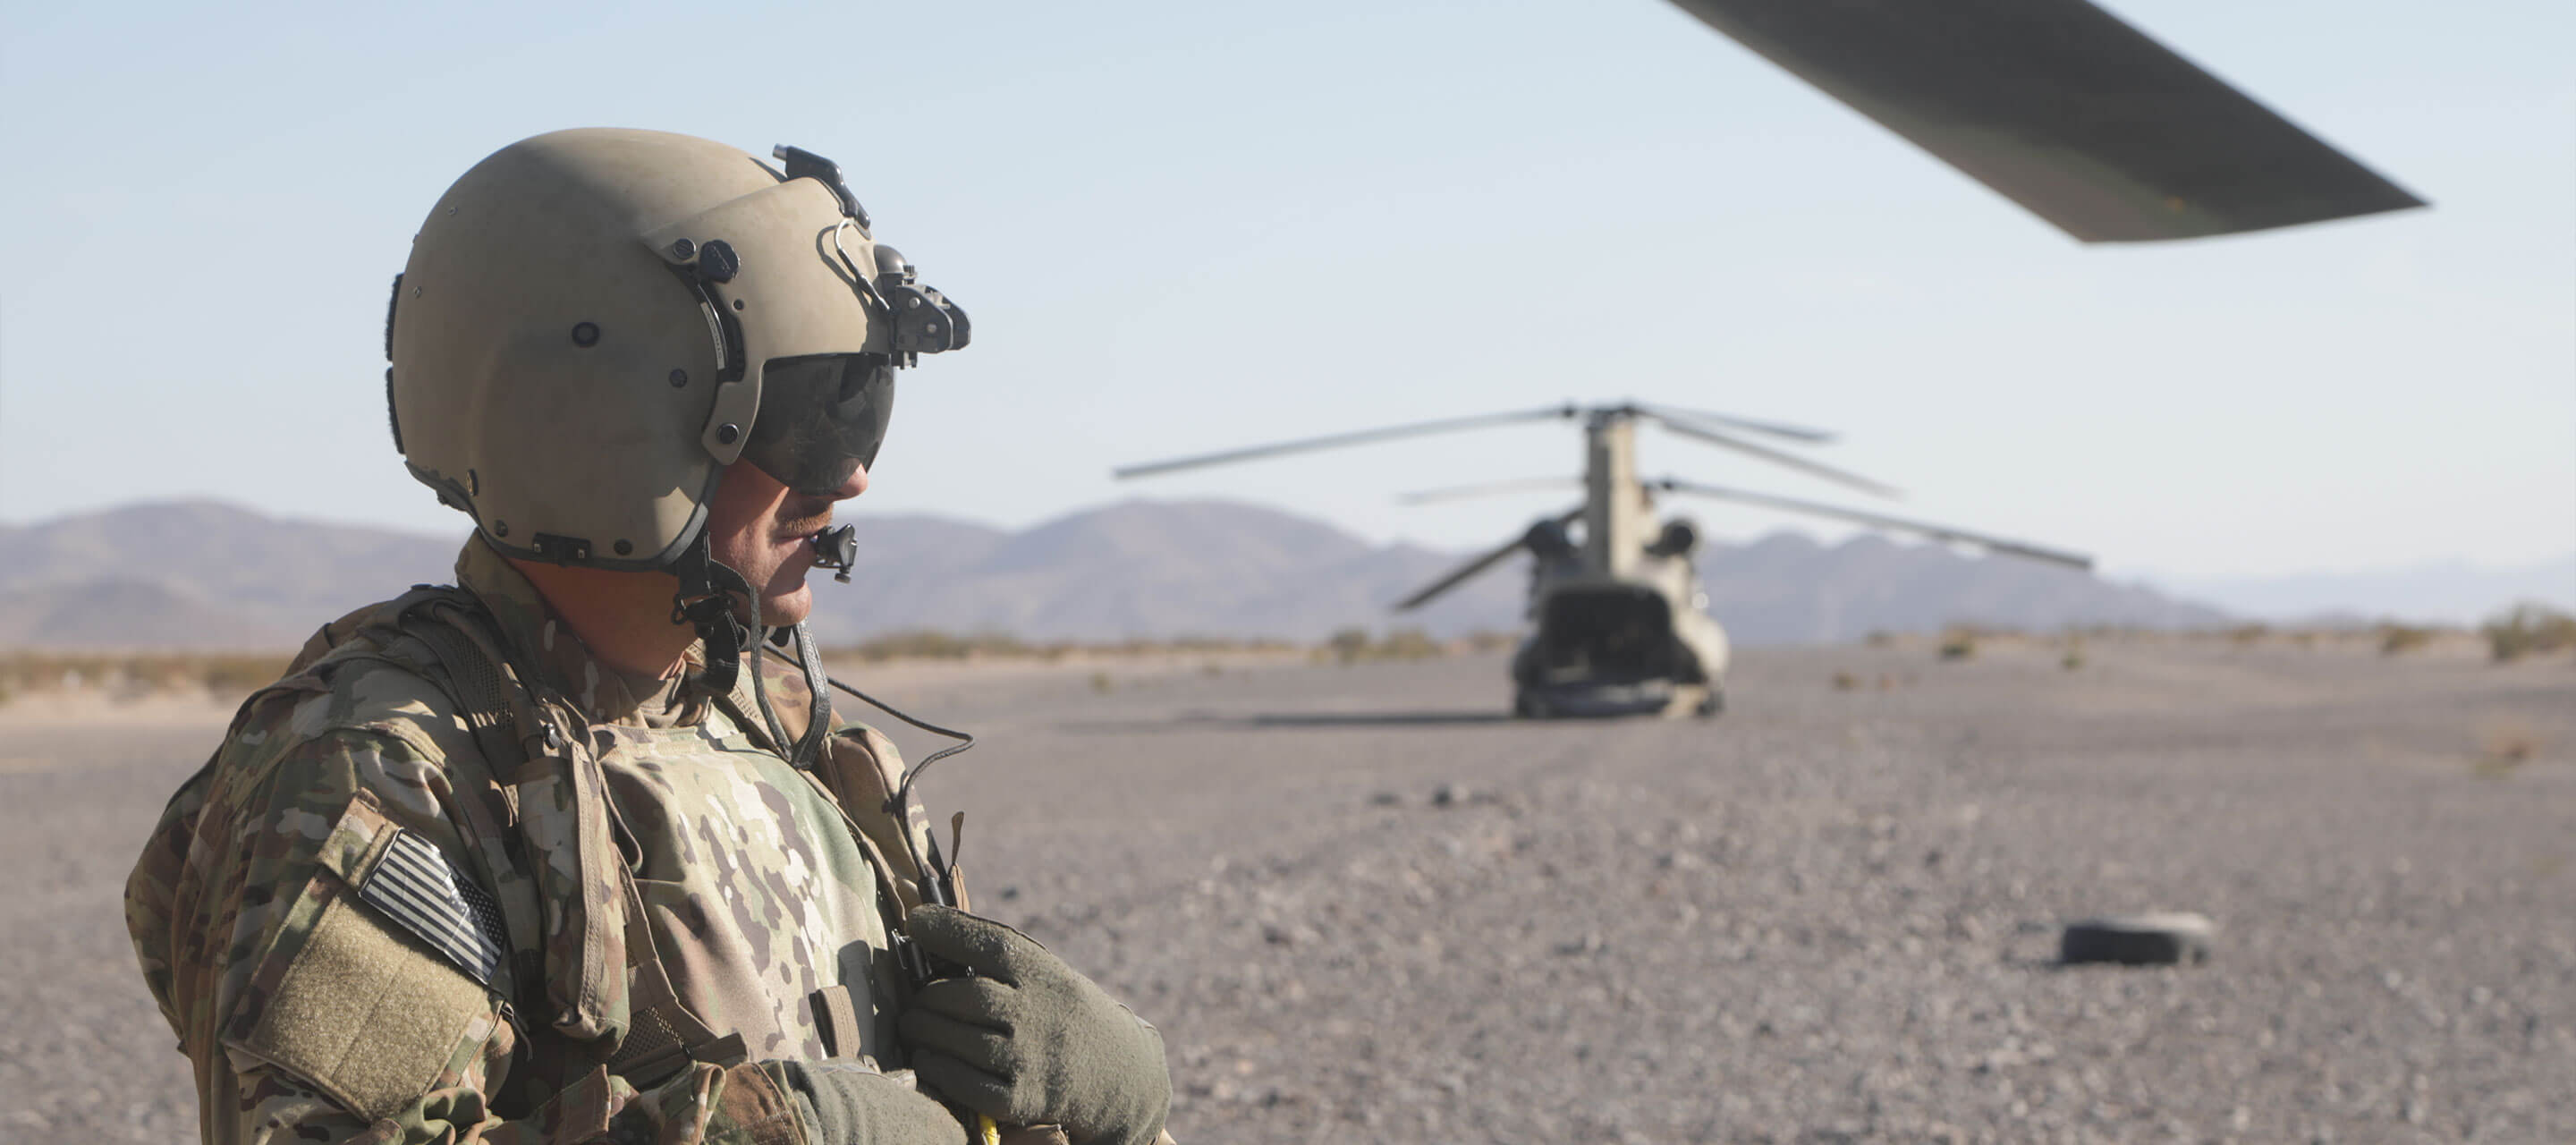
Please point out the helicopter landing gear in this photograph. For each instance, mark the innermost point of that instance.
(1698, 701)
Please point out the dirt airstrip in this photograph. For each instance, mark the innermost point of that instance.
(1362, 907)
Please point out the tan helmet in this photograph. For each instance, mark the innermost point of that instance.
(594, 322)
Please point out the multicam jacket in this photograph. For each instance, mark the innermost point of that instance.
(372, 918)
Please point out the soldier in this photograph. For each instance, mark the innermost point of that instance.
(575, 850)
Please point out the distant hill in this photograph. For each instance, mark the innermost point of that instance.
(1150, 568)
(196, 574)
(2446, 591)
(1787, 589)
(134, 614)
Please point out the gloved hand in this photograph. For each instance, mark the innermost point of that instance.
(1025, 1040)
(846, 1104)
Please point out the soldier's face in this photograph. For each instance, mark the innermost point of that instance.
(760, 528)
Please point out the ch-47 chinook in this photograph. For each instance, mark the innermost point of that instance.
(1618, 622)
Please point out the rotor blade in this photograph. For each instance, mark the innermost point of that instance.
(1688, 428)
(1445, 425)
(1936, 532)
(1462, 573)
(1776, 429)
(1456, 492)
(2062, 108)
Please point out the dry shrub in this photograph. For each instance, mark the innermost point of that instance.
(1845, 682)
(2528, 629)
(2397, 639)
(1163, 646)
(1354, 645)
(2248, 635)
(924, 644)
(2503, 751)
(222, 675)
(239, 675)
(1409, 644)
(1959, 644)
(934, 644)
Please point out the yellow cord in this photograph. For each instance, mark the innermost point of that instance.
(986, 1132)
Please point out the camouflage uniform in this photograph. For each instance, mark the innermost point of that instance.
(754, 903)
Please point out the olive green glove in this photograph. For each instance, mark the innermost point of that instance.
(846, 1104)
(1025, 1040)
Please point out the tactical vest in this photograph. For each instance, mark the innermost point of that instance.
(586, 987)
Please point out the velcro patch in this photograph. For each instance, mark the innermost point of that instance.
(419, 889)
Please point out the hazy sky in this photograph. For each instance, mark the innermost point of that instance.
(1182, 226)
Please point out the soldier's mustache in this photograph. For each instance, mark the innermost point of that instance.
(816, 515)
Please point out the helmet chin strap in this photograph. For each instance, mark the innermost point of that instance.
(706, 600)
(818, 713)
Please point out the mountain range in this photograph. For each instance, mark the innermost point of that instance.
(200, 574)
(2455, 592)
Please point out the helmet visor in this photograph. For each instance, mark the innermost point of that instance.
(821, 417)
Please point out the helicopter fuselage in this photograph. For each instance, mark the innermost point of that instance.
(1639, 642)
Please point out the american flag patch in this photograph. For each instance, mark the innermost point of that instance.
(417, 887)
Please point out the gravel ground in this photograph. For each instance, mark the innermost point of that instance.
(1363, 908)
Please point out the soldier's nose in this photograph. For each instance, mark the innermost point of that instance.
(855, 485)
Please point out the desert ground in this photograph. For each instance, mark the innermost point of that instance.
(1363, 907)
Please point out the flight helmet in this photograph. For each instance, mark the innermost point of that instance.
(594, 323)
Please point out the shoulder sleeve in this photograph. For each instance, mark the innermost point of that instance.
(704, 1104)
(317, 948)
(294, 796)
(328, 994)
(326, 927)
(303, 908)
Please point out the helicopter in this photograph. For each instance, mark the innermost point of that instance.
(1619, 622)
(2058, 106)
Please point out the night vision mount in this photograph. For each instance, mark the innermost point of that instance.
(803, 164)
(925, 321)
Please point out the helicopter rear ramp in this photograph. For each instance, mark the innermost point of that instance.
(1607, 650)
